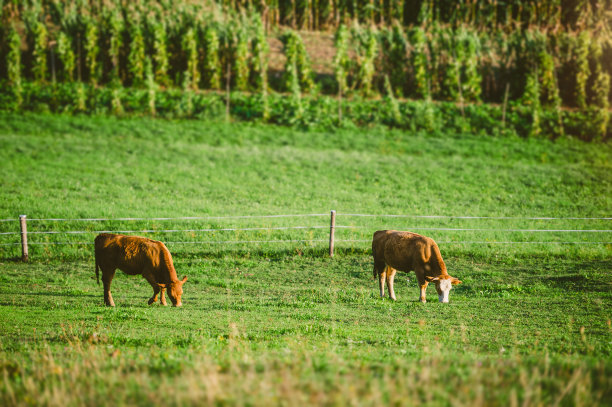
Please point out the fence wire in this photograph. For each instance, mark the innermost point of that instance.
(355, 231)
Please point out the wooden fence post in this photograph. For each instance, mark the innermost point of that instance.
(24, 237)
(332, 230)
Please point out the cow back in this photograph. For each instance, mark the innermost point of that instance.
(131, 254)
(406, 251)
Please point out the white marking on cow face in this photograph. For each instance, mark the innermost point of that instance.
(443, 287)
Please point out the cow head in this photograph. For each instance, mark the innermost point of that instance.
(444, 283)
(175, 291)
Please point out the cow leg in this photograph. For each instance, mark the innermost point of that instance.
(107, 278)
(162, 297)
(390, 277)
(420, 274)
(381, 282)
(155, 286)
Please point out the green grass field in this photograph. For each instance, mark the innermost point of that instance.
(280, 323)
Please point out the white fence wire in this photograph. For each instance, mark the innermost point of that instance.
(312, 239)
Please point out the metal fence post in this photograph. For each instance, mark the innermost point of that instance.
(24, 237)
(332, 230)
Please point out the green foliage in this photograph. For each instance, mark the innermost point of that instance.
(261, 51)
(341, 58)
(92, 50)
(115, 28)
(582, 69)
(393, 104)
(259, 76)
(240, 58)
(367, 52)
(531, 103)
(212, 63)
(549, 89)
(151, 86)
(186, 104)
(13, 62)
(310, 112)
(190, 47)
(38, 33)
(136, 57)
(81, 98)
(116, 105)
(297, 65)
(471, 78)
(548, 79)
(418, 61)
(601, 105)
(600, 90)
(66, 56)
(451, 81)
(449, 54)
(395, 51)
(160, 53)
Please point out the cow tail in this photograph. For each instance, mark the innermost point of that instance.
(97, 272)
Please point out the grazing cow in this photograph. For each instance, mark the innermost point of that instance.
(406, 251)
(137, 255)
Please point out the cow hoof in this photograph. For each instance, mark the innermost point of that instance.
(152, 300)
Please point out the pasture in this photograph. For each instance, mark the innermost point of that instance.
(281, 323)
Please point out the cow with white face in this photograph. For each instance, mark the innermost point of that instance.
(405, 251)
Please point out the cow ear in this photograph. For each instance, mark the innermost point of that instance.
(430, 278)
(455, 281)
(183, 280)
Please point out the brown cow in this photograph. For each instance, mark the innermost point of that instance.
(137, 255)
(406, 251)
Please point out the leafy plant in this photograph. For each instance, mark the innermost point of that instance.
(582, 69)
(91, 51)
(418, 61)
(66, 56)
(13, 61)
(297, 65)
(341, 59)
(366, 56)
(38, 32)
(151, 86)
(471, 78)
(136, 58)
(395, 51)
(393, 104)
(531, 103)
(261, 51)
(212, 63)
(240, 58)
(160, 53)
(190, 47)
(115, 28)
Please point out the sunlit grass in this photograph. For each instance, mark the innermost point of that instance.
(282, 323)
